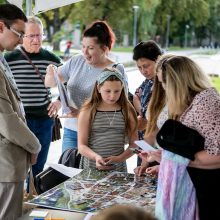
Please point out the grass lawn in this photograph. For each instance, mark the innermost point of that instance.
(58, 53)
(122, 49)
(216, 82)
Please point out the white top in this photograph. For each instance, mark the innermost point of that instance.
(163, 116)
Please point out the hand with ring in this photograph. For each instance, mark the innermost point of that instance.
(53, 108)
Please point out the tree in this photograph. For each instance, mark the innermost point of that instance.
(201, 17)
(116, 12)
(54, 19)
(181, 12)
(146, 27)
(212, 29)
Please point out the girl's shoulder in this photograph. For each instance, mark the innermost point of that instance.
(85, 111)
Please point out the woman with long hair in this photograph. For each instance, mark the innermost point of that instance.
(192, 101)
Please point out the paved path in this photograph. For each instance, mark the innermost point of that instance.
(210, 64)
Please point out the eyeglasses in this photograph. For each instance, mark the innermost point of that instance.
(19, 35)
(32, 36)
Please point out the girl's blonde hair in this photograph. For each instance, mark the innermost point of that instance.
(182, 79)
(155, 106)
(127, 109)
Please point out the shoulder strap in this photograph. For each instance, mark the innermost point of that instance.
(29, 60)
(36, 70)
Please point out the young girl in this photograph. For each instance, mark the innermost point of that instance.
(104, 123)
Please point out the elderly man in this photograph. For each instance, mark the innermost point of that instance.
(18, 145)
(28, 65)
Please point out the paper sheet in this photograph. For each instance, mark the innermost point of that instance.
(38, 213)
(68, 171)
(145, 146)
(65, 102)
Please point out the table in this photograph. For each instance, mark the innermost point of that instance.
(92, 190)
(56, 214)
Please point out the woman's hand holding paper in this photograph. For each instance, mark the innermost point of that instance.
(73, 114)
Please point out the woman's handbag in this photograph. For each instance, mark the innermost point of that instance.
(180, 139)
(56, 135)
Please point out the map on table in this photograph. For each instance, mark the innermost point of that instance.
(93, 190)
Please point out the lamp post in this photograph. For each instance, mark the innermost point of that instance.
(168, 32)
(28, 7)
(135, 8)
(186, 35)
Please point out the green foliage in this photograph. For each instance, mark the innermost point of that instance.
(58, 35)
(113, 12)
(202, 17)
(194, 13)
(116, 12)
(216, 82)
(3, 1)
(146, 27)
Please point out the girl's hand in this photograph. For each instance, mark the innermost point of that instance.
(153, 170)
(140, 170)
(53, 108)
(101, 164)
(155, 156)
(113, 159)
(144, 156)
(150, 156)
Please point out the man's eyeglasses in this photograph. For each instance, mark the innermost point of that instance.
(32, 36)
(19, 35)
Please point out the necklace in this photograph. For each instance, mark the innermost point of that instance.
(112, 120)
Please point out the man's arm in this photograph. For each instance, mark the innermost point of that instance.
(13, 128)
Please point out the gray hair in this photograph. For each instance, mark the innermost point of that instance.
(35, 20)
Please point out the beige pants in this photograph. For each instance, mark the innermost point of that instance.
(11, 199)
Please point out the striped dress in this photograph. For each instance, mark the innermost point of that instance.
(105, 139)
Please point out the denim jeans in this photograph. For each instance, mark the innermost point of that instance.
(69, 139)
(42, 128)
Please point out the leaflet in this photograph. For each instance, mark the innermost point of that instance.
(65, 102)
(145, 146)
(68, 171)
